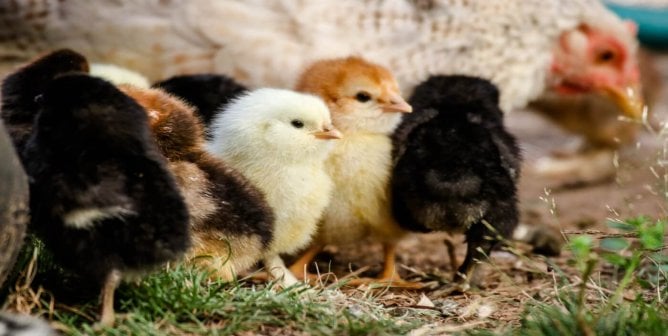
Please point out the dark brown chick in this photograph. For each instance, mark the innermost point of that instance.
(230, 219)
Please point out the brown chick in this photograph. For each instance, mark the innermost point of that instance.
(230, 220)
(366, 106)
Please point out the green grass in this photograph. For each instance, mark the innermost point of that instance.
(630, 298)
(639, 265)
(183, 300)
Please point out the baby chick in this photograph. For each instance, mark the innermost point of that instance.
(230, 220)
(101, 196)
(279, 140)
(366, 106)
(20, 89)
(118, 75)
(207, 92)
(456, 165)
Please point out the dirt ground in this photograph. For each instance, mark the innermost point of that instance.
(638, 189)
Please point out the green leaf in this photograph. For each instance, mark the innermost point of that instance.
(651, 237)
(614, 244)
(616, 259)
(623, 226)
(581, 246)
(638, 221)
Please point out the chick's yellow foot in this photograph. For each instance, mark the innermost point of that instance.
(389, 277)
(299, 267)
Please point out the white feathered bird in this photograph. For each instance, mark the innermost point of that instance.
(516, 43)
(279, 140)
(526, 47)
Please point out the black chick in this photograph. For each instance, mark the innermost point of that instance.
(456, 166)
(208, 93)
(20, 89)
(101, 196)
(231, 222)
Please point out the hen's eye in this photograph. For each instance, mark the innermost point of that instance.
(363, 97)
(606, 56)
(297, 123)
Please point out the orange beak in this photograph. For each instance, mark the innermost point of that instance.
(328, 133)
(628, 98)
(397, 104)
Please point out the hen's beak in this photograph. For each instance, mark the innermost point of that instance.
(628, 98)
(328, 133)
(397, 104)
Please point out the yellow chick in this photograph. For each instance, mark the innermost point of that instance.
(366, 106)
(279, 140)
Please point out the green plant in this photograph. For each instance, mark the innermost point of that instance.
(638, 257)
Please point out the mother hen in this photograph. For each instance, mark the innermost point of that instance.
(528, 48)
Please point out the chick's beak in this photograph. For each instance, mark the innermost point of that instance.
(628, 98)
(328, 133)
(397, 104)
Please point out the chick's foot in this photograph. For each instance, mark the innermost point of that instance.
(389, 277)
(300, 267)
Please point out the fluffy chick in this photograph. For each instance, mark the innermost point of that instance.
(366, 106)
(20, 88)
(230, 219)
(456, 165)
(279, 140)
(208, 93)
(118, 75)
(101, 196)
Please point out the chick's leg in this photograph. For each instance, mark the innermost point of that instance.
(107, 298)
(479, 243)
(390, 265)
(277, 270)
(389, 276)
(299, 267)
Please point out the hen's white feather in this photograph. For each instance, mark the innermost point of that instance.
(268, 42)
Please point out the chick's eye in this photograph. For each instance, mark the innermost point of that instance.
(363, 97)
(297, 123)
